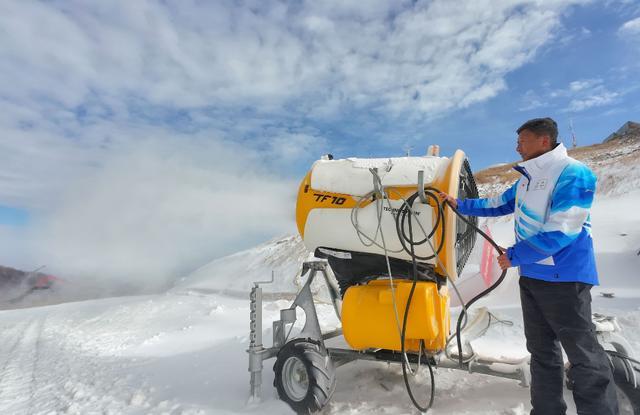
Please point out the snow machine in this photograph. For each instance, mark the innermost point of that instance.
(396, 252)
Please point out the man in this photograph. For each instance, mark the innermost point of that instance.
(554, 253)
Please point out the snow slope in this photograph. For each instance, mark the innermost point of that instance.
(183, 352)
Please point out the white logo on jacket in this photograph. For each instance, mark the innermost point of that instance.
(540, 184)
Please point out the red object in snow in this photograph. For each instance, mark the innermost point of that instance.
(486, 265)
(45, 281)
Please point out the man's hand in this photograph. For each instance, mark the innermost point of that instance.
(452, 200)
(503, 260)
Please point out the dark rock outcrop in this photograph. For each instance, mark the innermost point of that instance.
(630, 129)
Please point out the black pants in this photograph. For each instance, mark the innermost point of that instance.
(559, 313)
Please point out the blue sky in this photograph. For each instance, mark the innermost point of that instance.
(13, 216)
(123, 123)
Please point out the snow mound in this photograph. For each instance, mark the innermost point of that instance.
(234, 274)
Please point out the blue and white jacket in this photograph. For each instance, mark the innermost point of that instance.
(551, 203)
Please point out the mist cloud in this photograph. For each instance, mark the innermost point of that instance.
(160, 206)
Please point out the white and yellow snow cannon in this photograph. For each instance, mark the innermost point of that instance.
(355, 213)
(395, 250)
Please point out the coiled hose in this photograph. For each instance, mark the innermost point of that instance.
(403, 218)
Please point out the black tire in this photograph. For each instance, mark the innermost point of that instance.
(628, 394)
(304, 375)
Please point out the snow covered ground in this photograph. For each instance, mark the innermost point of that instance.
(184, 352)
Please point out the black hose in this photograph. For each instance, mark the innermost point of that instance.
(404, 330)
(483, 293)
(404, 213)
(622, 356)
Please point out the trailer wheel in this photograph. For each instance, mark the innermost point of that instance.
(304, 375)
(627, 389)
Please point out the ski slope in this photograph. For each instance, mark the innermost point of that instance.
(184, 352)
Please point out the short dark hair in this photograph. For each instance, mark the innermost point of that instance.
(542, 126)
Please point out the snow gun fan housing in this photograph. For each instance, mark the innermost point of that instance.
(369, 220)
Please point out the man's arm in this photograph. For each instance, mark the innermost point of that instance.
(570, 203)
(501, 205)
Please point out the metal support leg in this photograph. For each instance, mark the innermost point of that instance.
(334, 292)
(304, 300)
(257, 352)
(255, 342)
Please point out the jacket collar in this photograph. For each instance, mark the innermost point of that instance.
(545, 160)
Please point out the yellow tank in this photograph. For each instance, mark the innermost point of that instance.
(368, 319)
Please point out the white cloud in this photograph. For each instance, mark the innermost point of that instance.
(222, 54)
(583, 84)
(630, 28)
(289, 147)
(590, 101)
(531, 100)
(583, 94)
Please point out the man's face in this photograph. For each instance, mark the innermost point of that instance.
(531, 145)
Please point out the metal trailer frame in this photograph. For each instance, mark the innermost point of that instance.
(606, 327)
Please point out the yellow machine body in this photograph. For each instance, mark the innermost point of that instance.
(330, 196)
(369, 321)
